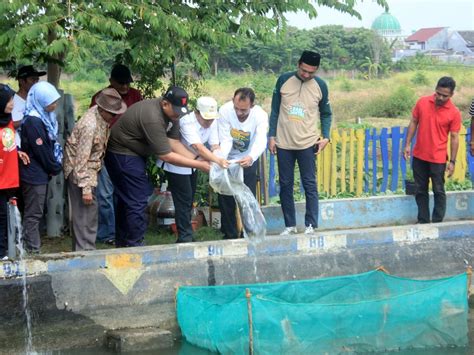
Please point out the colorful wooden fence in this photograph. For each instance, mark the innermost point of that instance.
(368, 161)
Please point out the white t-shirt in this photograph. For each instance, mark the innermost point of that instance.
(17, 114)
(239, 139)
(192, 133)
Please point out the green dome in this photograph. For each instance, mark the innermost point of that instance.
(386, 23)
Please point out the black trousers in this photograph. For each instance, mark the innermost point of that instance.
(182, 189)
(227, 204)
(5, 195)
(423, 171)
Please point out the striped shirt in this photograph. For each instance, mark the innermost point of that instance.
(471, 109)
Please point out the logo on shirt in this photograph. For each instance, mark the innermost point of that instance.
(296, 112)
(39, 141)
(8, 139)
(241, 139)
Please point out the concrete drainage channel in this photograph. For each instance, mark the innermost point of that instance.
(124, 298)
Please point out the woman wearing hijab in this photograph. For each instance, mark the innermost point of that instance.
(39, 139)
(9, 178)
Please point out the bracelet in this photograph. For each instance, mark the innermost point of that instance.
(453, 162)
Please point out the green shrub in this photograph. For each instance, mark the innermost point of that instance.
(398, 103)
(346, 85)
(419, 79)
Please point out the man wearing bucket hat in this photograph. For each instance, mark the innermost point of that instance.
(197, 128)
(84, 153)
(148, 128)
(120, 80)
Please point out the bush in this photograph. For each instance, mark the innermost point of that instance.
(419, 79)
(398, 103)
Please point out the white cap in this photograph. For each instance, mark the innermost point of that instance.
(207, 107)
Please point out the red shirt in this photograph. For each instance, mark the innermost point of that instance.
(131, 97)
(434, 125)
(9, 175)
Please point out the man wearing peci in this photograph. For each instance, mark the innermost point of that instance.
(300, 102)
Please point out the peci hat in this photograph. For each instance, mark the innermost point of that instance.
(310, 58)
(207, 107)
(110, 100)
(121, 74)
(27, 71)
(178, 97)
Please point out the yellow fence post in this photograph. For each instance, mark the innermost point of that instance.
(343, 160)
(461, 158)
(351, 159)
(335, 138)
(360, 136)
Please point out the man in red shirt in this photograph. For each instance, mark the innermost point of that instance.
(434, 118)
(120, 79)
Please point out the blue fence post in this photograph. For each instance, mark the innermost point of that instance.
(366, 160)
(374, 161)
(470, 158)
(396, 136)
(271, 177)
(384, 151)
(403, 162)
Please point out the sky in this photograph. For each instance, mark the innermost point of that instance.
(412, 15)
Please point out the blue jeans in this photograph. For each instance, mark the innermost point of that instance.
(105, 199)
(286, 170)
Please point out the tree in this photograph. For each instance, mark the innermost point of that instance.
(155, 34)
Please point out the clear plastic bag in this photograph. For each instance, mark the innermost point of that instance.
(231, 182)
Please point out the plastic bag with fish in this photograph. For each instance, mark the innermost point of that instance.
(231, 182)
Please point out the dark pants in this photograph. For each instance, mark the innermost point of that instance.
(227, 203)
(182, 189)
(83, 218)
(106, 207)
(5, 195)
(35, 198)
(423, 171)
(131, 190)
(286, 170)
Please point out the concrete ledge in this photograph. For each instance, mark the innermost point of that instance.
(138, 339)
(370, 212)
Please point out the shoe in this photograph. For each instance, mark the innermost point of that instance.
(5, 258)
(289, 230)
(309, 230)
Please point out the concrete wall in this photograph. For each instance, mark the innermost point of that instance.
(75, 297)
(370, 212)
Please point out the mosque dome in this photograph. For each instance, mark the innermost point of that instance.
(386, 24)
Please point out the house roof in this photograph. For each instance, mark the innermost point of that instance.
(468, 36)
(423, 34)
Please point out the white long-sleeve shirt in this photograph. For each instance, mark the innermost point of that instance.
(239, 139)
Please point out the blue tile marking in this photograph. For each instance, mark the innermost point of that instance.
(84, 263)
(460, 231)
(358, 239)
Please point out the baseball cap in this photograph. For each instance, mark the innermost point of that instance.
(27, 71)
(207, 107)
(178, 98)
(121, 74)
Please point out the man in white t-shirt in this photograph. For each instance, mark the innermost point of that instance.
(243, 129)
(27, 76)
(197, 129)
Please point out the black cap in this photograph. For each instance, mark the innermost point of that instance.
(310, 58)
(178, 97)
(121, 74)
(27, 71)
